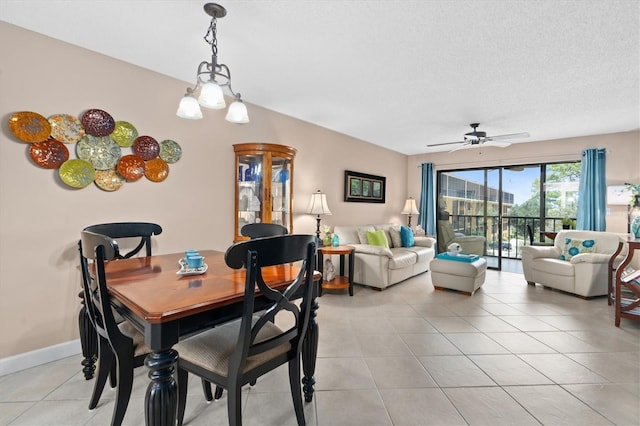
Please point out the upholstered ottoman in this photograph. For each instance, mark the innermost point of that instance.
(464, 276)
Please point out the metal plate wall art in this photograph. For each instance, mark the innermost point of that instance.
(77, 173)
(156, 170)
(100, 141)
(102, 152)
(124, 133)
(146, 147)
(29, 126)
(131, 167)
(66, 128)
(97, 122)
(49, 154)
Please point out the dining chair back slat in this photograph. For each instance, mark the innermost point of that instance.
(261, 230)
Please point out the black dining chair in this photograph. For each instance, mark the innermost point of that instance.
(261, 230)
(120, 346)
(137, 236)
(240, 351)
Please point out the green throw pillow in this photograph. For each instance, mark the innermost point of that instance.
(574, 247)
(377, 238)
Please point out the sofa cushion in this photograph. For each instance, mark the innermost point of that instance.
(574, 247)
(394, 232)
(402, 258)
(377, 238)
(424, 253)
(362, 233)
(406, 235)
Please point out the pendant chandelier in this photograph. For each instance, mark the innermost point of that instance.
(211, 78)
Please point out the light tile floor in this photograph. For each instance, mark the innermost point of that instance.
(510, 354)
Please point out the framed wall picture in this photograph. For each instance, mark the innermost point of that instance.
(363, 188)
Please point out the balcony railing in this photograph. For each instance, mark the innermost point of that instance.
(513, 231)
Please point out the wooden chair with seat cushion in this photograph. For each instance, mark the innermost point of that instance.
(121, 348)
(261, 230)
(136, 236)
(240, 351)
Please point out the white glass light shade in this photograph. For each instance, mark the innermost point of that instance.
(237, 113)
(211, 96)
(189, 108)
(318, 204)
(410, 207)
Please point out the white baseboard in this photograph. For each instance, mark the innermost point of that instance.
(38, 357)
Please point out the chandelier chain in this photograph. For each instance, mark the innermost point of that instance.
(211, 37)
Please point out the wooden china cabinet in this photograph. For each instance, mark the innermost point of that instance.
(264, 185)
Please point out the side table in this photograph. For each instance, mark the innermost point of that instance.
(341, 281)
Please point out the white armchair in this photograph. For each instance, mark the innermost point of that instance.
(573, 264)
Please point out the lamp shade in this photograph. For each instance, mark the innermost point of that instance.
(189, 108)
(410, 207)
(318, 204)
(237, 113)
(211, 96)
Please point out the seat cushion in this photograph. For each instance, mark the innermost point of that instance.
(213, 348)
(402, 258)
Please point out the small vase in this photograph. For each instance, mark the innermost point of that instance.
(335, 241)
(326, 241)
(635, 227)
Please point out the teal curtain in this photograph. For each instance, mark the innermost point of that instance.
(592, 191)
(427, 206)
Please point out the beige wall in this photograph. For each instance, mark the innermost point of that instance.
(623, 157)
(40, 218)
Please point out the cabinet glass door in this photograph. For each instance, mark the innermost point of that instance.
(280, 190)
(250, 184)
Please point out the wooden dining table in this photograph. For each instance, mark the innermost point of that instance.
(167, 307)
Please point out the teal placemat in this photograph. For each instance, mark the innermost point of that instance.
(460, 257)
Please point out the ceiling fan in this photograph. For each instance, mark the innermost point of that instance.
(478, 138)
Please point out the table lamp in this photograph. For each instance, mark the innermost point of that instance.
(410, 208)
(318, 206)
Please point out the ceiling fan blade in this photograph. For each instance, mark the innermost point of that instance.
(496, 144)
(509, 136)
(465, 146)
(446, 143)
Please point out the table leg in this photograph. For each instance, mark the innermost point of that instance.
(310, 352)
(88, 342)
(161, 400)
(351, 263)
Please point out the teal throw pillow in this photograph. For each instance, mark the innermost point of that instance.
(377, 238)
(406, 235)
(574, 247)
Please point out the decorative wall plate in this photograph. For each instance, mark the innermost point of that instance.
(66, 128)
(102, 151)
(156, 170)
(77, 173)
(97, 122)
(146, 147)
(170, 151)
(124, 133)
(29, 126)
(109, 180)
(49, 154)
(131, 167)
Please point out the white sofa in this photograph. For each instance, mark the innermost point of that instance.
(585, 274)
(380, 267)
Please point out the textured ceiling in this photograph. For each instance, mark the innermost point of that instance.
(400, 74)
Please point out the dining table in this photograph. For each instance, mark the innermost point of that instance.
(166, 305)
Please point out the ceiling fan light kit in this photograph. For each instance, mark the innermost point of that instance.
(477, 138)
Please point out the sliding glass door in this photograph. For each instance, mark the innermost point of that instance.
(508, 204)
